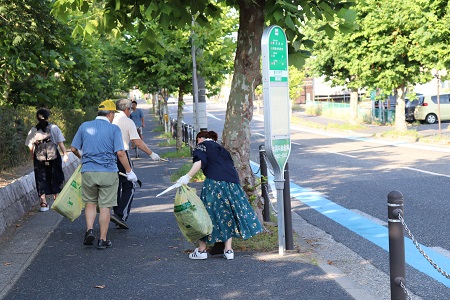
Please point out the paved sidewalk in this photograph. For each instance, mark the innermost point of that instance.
(45, 258)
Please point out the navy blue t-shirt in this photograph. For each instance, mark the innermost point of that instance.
(217, 163)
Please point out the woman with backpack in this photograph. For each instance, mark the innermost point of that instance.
(43, 141)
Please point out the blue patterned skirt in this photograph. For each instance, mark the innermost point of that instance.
(230, 212)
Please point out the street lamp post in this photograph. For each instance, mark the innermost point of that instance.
(438, 74)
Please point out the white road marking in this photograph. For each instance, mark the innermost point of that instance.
(337, 153)
(426, 172)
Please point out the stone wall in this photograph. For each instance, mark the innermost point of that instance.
(20, 197)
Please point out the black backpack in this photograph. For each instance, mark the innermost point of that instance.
(45, 149)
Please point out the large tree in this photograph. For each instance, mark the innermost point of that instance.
(254, 16)
(395, 48)
(42, 65)
(170, 67)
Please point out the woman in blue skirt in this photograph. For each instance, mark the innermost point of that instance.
(223, 197)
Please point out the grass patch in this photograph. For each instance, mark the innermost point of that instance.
(167, 143)
(313, 110)
(436, 139)
(169, 140)
(199, 177)
(263, 242)
(159, 128)
(298, 107)
(183, 153)
(344, 126)
(396, 134)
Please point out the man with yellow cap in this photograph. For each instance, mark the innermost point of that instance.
(100, 143)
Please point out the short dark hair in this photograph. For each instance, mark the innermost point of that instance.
(202, 134)
(42, 114)
(134, 101)
(212, 135)
(104, 113)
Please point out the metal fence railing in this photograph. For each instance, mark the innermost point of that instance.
(188, 133)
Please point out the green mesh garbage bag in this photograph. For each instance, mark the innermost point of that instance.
(191, 215)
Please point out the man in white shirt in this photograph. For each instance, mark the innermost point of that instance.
(125, 192)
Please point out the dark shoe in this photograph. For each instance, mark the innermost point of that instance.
(118, 221)
(218, 248)
(89, 237)
(103, 244)
(118, 226)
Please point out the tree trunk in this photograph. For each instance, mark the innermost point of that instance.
(354, 106)
(400, 122)
(155, 101)
(179, 140)
(247, 76)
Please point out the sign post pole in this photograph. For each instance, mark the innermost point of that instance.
(276, 113)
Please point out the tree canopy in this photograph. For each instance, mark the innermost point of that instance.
(395, 47)
(115, 16)
(43, 66)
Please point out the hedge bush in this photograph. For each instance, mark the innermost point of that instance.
(17, 122)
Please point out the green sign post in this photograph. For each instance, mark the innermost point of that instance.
(276, 112)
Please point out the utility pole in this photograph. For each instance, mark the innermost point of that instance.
(194, 79)
(199, 90)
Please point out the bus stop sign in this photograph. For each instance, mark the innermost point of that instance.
(276, 98)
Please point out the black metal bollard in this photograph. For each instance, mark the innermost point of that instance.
(264, 187)
(174, 128)
(288, 235)
(184, 132)
(396, 245)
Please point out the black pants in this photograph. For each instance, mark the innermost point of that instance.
(125, 193)
(49, 176)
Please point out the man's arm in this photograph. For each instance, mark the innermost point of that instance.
(124, 160)
(75, 151)
(141, 145)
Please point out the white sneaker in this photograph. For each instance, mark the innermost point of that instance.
(44, 207)
(198, 255)
(229, 254)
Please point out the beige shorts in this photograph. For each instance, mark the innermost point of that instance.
(100, 188)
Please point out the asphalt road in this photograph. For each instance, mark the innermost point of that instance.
(358, 174)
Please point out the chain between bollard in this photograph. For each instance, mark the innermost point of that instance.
(442, 272)
(268, 164)
(402, 285)
(257, 171)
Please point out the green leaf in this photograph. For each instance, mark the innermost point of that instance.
(84, 7)
(89, 28)
(298, 59)
(289, 23)
(348, 15)
(278, 15)
(327, 11)
(328, 30)
(152, 7)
